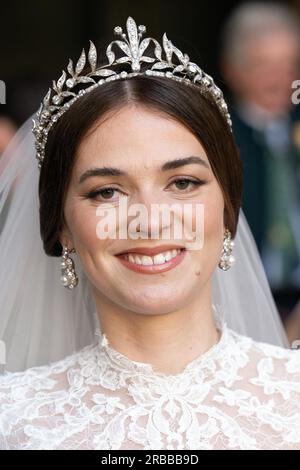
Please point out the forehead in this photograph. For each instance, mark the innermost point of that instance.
(281, 42)
(136, 135)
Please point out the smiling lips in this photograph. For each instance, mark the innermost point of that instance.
(152, 260)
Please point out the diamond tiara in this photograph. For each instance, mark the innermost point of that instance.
(61, 96)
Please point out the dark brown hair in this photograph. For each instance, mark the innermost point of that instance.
(197, 111)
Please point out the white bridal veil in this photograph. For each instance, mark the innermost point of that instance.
(41, 321)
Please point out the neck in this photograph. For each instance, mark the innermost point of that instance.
(257, 116)
(166, 341)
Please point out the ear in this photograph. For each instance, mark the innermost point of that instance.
(65, 238)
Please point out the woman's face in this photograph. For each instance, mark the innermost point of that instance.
(138, 142)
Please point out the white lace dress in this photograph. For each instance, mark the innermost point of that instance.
(240, 394)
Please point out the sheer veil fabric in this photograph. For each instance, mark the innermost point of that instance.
(41, 321)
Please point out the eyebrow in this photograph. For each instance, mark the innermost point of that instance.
(169, 165)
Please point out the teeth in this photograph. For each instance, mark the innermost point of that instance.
(168, 256)
(145, 260)
(160, 258)
(131, 259)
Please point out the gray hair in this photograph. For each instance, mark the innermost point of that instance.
(253, 19)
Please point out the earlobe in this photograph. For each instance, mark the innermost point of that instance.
(65, 238)
(67, 245)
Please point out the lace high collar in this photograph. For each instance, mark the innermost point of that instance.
(119, 362)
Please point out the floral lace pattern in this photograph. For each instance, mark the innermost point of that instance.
(240, 394)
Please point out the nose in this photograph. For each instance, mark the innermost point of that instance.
(149, 217)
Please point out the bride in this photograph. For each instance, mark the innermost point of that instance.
(136, 341)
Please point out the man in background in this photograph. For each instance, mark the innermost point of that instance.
(259, 61)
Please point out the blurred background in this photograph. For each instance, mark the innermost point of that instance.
(252, 49)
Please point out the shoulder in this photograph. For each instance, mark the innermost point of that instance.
(30, 394)
(279, 354)
(278, 363)
(42, 374)
(271, 364)
(261, 349)
(259, 383)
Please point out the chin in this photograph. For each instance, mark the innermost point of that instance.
(154, 302)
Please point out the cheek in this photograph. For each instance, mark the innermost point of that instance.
(213, 219)
(82, 221)
(213, 235)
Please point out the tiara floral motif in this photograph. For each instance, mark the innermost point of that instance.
(62, 95)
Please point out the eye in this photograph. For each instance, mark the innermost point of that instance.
(184, 184)
(104, 193)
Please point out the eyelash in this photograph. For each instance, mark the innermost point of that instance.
(94, 194)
